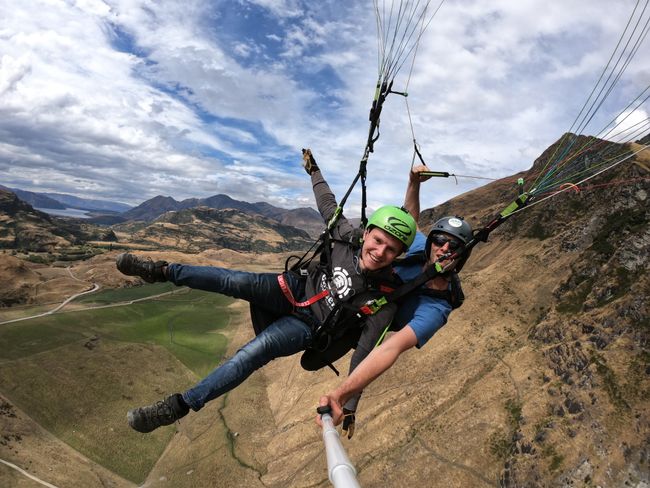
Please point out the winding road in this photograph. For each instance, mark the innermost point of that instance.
(60, 306)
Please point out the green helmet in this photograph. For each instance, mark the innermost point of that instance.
(396, 221)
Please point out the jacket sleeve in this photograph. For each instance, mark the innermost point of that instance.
(327, 205)
(373, 330)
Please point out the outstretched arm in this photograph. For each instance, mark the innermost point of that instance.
(412, 196)
(372, 335)
(377, 362)
(325, 199)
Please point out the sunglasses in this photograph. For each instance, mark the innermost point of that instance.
(441, 239)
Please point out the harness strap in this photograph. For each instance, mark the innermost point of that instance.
(374, 306)
(289, 296)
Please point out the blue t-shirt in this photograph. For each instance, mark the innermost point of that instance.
(424, 314)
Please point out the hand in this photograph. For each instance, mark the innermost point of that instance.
(337, 411)
(348, 422)
(309, 163)
(415, 175)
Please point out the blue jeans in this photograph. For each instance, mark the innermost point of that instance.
(284, 337)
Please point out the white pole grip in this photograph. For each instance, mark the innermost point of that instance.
(341, 471)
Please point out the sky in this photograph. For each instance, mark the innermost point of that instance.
(124, 100)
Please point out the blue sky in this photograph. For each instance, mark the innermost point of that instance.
(127, 99)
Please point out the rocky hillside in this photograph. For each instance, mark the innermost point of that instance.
(34, 199)
(202, 228)
(573, 273)
(303, 218)
(24, 228)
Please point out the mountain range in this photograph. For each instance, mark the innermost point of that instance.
(192, 229)
(110, 213)
(196, 229)
(304, 218)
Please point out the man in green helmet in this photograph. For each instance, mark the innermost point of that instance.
(301, 306)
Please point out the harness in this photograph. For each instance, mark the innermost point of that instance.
(339, 331)
(342, 329)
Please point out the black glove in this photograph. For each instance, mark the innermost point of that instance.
(309, 163)
(348, 422)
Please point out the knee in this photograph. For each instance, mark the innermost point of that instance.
(255, 354)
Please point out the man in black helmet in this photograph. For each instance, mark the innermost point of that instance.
(420, 315)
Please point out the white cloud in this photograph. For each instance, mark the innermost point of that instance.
(11, 72)
(125, 99)
(280, 8)
(629, 125)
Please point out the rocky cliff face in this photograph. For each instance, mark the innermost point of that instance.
(580, 417)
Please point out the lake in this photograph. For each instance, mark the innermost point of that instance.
(66, 212)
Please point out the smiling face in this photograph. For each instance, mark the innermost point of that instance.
(441, 244)
(379, 249)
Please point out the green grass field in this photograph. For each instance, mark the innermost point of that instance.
(126, 294)
(77, 373)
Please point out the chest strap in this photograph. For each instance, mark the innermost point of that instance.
(373, 306)
(289, 296)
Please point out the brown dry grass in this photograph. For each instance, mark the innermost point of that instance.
(38, 452)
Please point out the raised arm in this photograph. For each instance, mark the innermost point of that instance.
(412, 196)
(325, 199)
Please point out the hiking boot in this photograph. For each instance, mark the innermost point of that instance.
(164, 412)
(146, 269)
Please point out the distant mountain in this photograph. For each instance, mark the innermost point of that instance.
(200, 228)
(224, 201)
(25, 228)
(35, 199)
(115, 213)
(109, 219)
(72, 201)
(22, 227)
(304, 218)
(189, 229)
(150, 209)
(60, 201)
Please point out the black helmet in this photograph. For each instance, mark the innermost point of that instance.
(455, 226)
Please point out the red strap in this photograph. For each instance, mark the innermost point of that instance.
(365, 310)
(287, 293)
